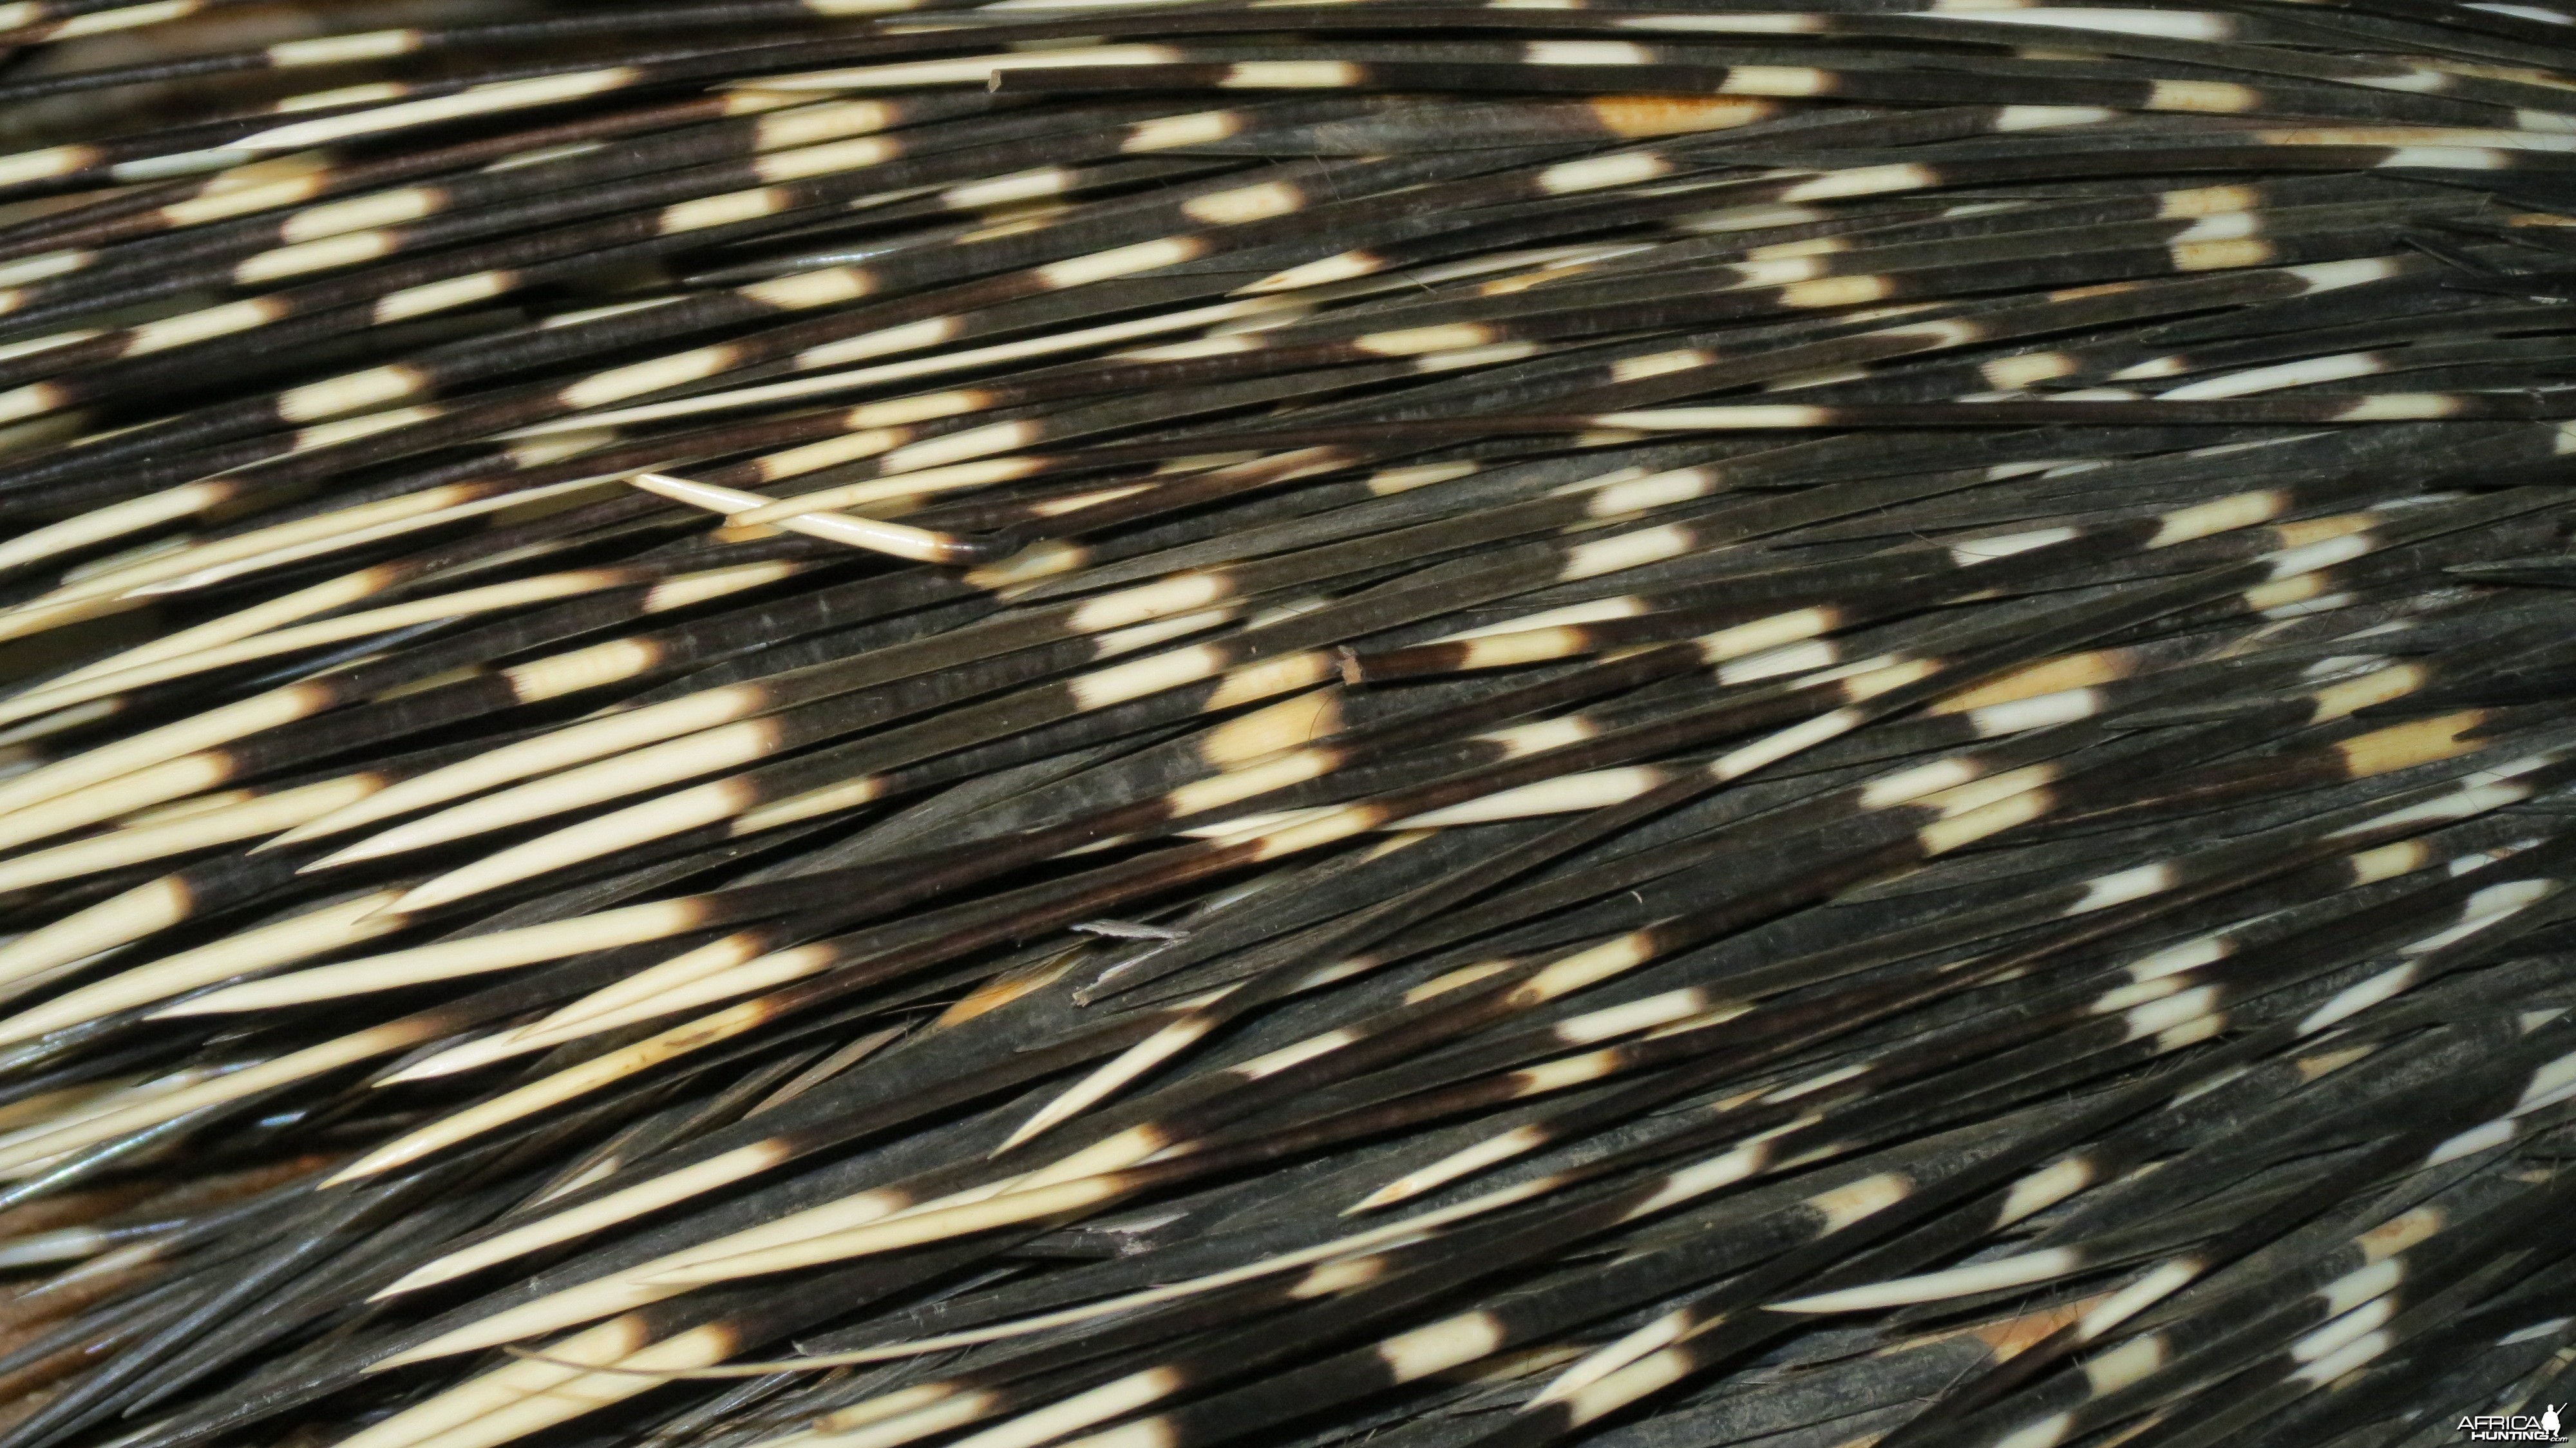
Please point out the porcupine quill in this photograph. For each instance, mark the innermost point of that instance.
(1064, 724)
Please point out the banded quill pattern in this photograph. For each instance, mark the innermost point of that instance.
(1079, 724)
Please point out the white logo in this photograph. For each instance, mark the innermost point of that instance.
(2514, 1427)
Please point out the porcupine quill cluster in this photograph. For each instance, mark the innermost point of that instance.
(1657, 724)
